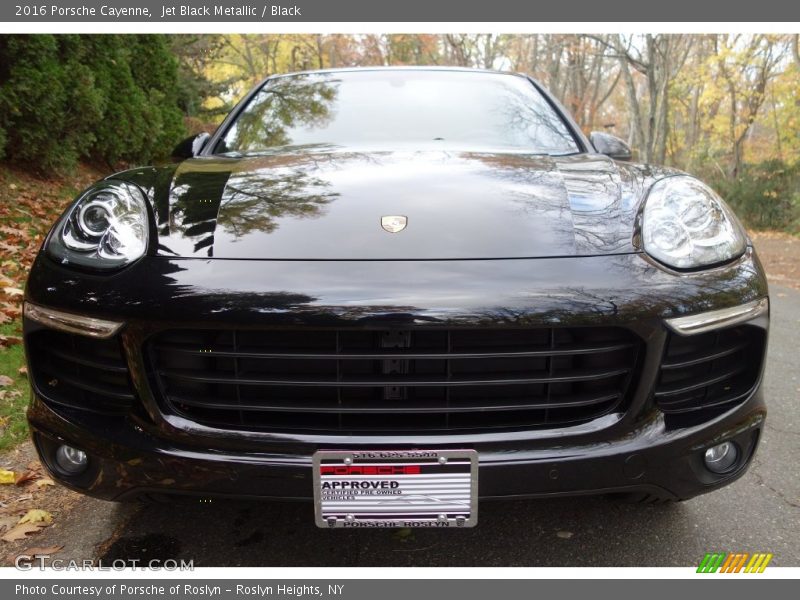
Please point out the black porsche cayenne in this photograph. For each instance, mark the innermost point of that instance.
(396, 291)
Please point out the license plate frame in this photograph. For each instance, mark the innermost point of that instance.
(403, 488)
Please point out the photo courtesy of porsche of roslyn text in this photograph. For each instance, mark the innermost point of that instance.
(518, 287)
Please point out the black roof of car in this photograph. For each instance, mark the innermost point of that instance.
(444, 69)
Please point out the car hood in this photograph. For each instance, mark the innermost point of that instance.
(312, 205)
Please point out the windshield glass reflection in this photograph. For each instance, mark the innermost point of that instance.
(388, 109)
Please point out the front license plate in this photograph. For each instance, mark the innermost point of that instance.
(396, 488)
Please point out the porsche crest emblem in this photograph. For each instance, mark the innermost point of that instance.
(394, 223)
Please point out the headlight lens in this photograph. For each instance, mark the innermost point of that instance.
(686, 225)
(107, 228)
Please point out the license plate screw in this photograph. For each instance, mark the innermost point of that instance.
(350, 518)
(348, 460)
(331, 521)
(442, 460)
(442, 518)
(460, 521)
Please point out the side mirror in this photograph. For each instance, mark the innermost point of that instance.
(190, 147)
(610, 145)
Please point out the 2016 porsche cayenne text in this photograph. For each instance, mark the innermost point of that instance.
(394, 292)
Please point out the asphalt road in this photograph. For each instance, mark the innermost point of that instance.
(758, 513)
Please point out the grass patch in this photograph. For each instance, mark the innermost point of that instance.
(28, 207)
(14, 397)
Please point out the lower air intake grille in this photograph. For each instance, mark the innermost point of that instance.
(351, 380)
(80, 372)
(709, 370)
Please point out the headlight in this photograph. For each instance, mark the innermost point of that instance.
(686, 225)
(106, 228)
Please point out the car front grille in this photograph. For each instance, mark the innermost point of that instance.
(393, 380)
(80, 372)
(710, 370)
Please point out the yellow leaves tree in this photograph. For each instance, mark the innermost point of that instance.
(247, 59)
(701, 102)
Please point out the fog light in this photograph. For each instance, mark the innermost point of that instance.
(722, 458)
(71, 460)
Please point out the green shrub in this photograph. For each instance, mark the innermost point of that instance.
(34, 103)
(765, 195)
(111, 98)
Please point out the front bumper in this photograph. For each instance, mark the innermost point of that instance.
(150, 450)
(125, 461)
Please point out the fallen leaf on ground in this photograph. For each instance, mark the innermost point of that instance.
(45, 482)
(5, 380)
(26, 477)
(564, 535)
(13, 291)
(37, 515)
(14, 231)
(21, 531)
(11, 311)
(45, 551)
(7, 476)
(23, 371)
(7, 523)
(403, 534)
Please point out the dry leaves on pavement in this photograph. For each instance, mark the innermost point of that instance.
(31, 522)
(41, 551)
(27, 477)
(37, 515)
(23, 530)
(28, 500)
(7, 522)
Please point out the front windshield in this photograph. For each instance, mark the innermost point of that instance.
(387, 109)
